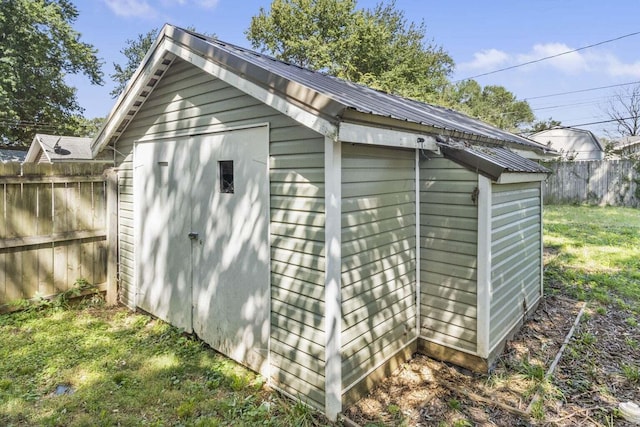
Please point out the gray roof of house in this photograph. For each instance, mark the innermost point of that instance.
(10, 155)
(65, 147)
(347, 95)
(490, 161)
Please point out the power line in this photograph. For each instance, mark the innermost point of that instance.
(598, 123)
(549, 57)
(579, 91)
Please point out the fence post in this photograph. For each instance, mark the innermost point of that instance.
(112, 236)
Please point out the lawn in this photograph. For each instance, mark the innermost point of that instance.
(91, 365)
(593, 254)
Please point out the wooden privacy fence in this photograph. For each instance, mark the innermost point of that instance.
(54, 227)
(604, 182)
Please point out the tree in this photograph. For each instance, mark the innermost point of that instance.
(135, 51)
(378, 47)
(492, 104)
(541, 125)
(38, 47)
(624, 110)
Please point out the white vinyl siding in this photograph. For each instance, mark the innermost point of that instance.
(448, 273)
(186, 98)
(515, 255)
(378, 256)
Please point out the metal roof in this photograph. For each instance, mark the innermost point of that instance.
(490, 161)
(360, 98)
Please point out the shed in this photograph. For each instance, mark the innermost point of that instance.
(59, 148)
(315, 230)
(571, 143)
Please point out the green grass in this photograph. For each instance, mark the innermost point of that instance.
(595, 253)
(104, 367)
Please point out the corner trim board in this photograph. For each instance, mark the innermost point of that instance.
(484, 267)
(333, 261)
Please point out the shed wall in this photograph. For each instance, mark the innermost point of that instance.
(378, 257)
(448, 246)
(516, 251)
(186, 98)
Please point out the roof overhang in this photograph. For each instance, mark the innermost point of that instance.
(319, 111)
(499, 166)
(34, 149)
(371, 135)
(294, 100)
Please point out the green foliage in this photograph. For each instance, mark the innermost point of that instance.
(631, 373)
(633, 344)
(38, 47)
(377, 47)
(454, 404)
(537, 410)
(492, 104)
(541, 125)
(532, 371)
(134, 52)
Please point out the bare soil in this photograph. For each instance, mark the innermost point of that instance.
(585, 388)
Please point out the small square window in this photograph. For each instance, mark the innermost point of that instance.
(225, 169)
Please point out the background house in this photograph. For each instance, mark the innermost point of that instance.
(318, 231)
(11, 155)
(56, 149)
(627, 147)
(572, 144)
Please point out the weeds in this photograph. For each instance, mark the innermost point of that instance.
(631, 373)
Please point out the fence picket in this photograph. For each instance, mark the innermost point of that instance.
(52, 228)
(604, 182)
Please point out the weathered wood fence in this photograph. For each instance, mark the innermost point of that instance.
(54, 223)
(605, 182)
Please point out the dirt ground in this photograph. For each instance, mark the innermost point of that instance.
(585, 388)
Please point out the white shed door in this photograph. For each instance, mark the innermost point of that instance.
(220, 241)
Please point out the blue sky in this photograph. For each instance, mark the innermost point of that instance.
(480, 36)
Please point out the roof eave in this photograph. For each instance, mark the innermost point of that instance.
(279, 85)
(472, 162)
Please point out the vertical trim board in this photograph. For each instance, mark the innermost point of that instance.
(333, 303)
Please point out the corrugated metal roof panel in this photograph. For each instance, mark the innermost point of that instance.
(369, 101)
(490, 161)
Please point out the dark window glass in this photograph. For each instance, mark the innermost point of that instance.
(226, 176)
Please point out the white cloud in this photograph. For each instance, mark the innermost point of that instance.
(486, 60)
(204, 4)
(570, 63)
(128, 8)
(616, 68)
(207, 4)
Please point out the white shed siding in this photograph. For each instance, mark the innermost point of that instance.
(449, 233)
(188, 99)
(378, 256)
(515, 255)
